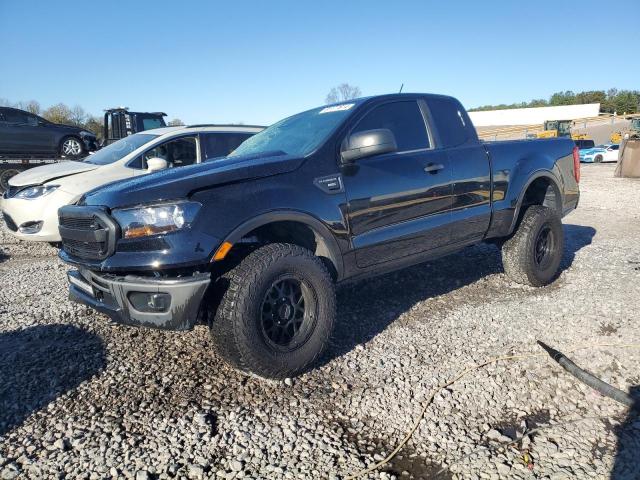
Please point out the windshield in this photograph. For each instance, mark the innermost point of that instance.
(298, 135)
(118, 150)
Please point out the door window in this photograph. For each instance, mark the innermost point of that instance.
(15, 116)
(405, 121)
(221, 144)
(180, 152)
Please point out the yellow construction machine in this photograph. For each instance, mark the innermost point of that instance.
(632, 131)
(560, 128)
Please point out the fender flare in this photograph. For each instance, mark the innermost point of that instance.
(553, 181)
(335, 254)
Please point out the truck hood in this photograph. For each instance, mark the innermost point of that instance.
(179, 183)
(46, 173)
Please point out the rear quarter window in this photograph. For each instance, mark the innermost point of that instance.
(450, 120)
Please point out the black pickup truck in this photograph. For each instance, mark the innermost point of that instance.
(253, 244)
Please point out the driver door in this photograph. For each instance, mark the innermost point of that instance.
(399, 203)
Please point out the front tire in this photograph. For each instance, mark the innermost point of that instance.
(532, 255)
(71, 147)
(276, 311)
(597, 159)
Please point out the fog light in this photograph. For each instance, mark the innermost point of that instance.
(30, 227)
(150, 302)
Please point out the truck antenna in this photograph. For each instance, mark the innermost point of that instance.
(401, 88)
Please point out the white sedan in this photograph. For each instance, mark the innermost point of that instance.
(30, 205)
(601, 153)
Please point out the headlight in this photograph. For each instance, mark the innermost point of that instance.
(85, 133)
(35, 192)
(156, 219)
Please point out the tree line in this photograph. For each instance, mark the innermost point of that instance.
(611, 101)
(62, 113)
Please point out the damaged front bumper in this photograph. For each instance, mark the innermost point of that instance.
(165, 303)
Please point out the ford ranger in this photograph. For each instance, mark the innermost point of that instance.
(254, 243)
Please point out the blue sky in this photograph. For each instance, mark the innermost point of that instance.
(258, 61)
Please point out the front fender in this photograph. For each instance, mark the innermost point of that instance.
(334, 252)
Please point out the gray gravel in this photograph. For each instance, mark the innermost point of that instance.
(83, 398)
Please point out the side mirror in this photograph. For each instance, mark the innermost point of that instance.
(156, 164)
(368, 143)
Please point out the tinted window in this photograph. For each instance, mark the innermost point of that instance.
(178, 153)
(449, 119)
(149, 123)
(404, 119)
(585, 143)
(15, 116)
(615, 147)
(221, 144)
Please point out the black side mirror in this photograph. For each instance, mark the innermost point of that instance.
(368, 143)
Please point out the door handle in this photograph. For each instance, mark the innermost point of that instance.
(433, 168)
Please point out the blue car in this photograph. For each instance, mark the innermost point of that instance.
(601, 153)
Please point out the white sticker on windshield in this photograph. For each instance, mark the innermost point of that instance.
(337, 108)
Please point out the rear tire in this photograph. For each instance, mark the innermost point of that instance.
(532, 255)
(71, 147)
(276, 312)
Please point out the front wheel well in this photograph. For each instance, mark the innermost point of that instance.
(287, 231)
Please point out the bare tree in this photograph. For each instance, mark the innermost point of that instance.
(343, 92)
(176, 122)
(78, 116)
(30, 106)
(59, 113)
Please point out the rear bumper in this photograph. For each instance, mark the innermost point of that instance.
(111, 295)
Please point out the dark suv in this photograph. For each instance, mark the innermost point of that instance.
(25, 133)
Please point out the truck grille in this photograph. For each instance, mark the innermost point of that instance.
(87, 232)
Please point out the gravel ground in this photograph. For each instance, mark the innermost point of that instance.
(83, 398)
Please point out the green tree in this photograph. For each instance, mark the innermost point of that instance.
(613, 100)
(563, 98)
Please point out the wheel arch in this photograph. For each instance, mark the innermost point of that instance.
(540, 189)
(298, 226)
